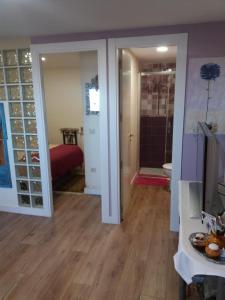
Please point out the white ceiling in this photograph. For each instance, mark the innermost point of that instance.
(151, 55)
(42, 17)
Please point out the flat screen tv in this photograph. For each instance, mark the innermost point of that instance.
(207, 169)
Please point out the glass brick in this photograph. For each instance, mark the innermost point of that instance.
(31, 126)
(32, 141)
(35, 172)
(28, 92)
(33, 157)
(29, 109)
(20, 156)
(37, 201)
(2, 76)
(26, 75)
(22, 186)
(25, 57)
(2, 93)
(18, 142)
(13, 92)
(17, 126)
(1, 59)
(24, 200)
(12, 75)
(21, 171)
(15, 110)
(10, 58)
(35, 187)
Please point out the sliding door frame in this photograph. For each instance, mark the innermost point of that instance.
(179, 40)
(37, 51)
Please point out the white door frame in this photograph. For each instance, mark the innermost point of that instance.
(179, 40)
(37, 51)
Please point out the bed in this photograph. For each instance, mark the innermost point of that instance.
(64, 158)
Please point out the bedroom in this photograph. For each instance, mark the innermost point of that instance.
(68, 79)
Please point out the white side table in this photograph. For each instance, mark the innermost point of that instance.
(187, 261)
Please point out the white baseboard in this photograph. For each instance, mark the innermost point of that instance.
(92, 191)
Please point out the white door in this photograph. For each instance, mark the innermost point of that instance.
(125, 127)
(134, 116)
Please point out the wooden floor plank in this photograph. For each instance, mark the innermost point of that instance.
(172, 281)
(74, 256)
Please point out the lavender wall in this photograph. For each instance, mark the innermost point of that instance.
(204, 40)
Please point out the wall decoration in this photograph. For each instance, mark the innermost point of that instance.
(5, 175)
(205, 99)
(92, 97)
(209, 72)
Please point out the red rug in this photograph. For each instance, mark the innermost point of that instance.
(151, 180)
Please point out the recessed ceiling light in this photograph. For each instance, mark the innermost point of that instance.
(43, 58)
(162, 49)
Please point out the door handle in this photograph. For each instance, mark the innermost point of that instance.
(130, 137)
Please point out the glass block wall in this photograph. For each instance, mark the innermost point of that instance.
(17, 90)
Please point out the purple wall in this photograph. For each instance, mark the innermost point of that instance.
(204, 40)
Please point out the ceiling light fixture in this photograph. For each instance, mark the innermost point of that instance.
(162, 49)
(43, 58)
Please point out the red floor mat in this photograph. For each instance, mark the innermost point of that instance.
(151, 180)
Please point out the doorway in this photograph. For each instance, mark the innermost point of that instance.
(146, 85)
(65, 80)
(39, 51)
(158, 73)
(180, 41)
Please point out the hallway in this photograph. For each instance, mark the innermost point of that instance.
(74, 256)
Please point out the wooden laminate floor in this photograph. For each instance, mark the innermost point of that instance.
(74, 256)
(74, 183)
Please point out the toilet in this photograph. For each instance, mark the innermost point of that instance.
(167, 168)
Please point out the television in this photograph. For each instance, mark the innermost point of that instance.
(208, 169)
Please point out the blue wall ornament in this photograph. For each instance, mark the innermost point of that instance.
(209, 72)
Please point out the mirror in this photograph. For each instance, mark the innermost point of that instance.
(92, 97)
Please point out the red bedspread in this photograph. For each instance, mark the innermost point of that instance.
(65, 158)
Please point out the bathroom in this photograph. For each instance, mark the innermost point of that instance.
(147, 90)
(156, 117)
